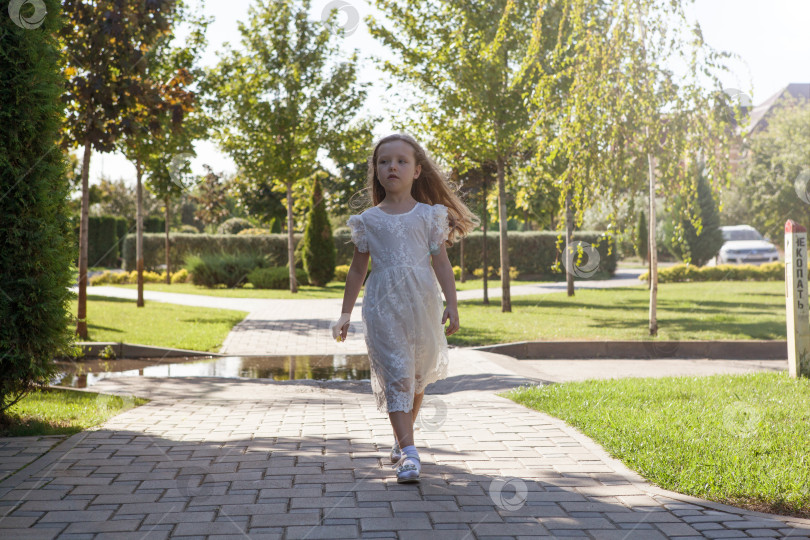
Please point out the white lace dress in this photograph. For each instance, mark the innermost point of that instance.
(402, 305)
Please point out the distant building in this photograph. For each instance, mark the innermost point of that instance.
(758, 117)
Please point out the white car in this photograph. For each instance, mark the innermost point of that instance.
(744, 245)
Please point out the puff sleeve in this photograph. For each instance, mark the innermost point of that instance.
(439, 227)
(358, 229)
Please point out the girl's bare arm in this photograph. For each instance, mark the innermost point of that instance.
(444, 274)
(354, 279)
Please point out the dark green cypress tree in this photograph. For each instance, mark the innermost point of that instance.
(700, 248)
(37, 237)
(642, 237)
(318, 251)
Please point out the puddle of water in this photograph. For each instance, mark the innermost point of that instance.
(354, 367)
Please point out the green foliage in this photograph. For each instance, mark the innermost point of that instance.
(772, 271)
(233, 226)
(231, 270)
(103, 241)
(274, 246)
(309, 100)
(341, 272)
(318, 245)
(189, 229)
(680, 235)
(494, 272)
(119, 278)
(642, 237)
(254, 231)
(457, 272)
(38, 242)
(154, 224)
(775, 182)
(276, 277)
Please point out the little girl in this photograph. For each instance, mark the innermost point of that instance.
(415, 215)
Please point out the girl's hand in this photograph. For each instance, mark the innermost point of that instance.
(341, 327)
(452, 314)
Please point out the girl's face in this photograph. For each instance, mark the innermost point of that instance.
(396, 166)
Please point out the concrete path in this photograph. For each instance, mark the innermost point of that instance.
(225, 458)
(280, 327)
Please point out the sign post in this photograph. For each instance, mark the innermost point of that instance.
(796, 300)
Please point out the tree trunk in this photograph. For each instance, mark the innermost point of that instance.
(506, 301)
(461, 257)
(484, 245)
(81, 316)
(168, 264)
(139, 232)
(291, 240)
(653, 249)
(569, 233)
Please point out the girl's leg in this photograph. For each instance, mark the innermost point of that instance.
(403, 422)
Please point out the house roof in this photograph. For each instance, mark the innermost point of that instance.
(757, 117)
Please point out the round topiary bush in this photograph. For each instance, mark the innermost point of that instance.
(189, 229)
(233, 226)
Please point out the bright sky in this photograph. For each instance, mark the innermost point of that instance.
(770, 35)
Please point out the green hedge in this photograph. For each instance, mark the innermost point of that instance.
(103, 240)
(533, 253)
(772, 271)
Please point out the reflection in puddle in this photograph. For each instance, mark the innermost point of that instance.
(354, 367)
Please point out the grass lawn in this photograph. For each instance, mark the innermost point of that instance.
(157, 323)
(686, 311)
(54, 411)
(736, 439)
(333, 289)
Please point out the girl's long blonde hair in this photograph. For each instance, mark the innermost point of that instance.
(432, 186)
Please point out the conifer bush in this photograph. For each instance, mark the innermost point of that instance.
(318, 245)
(38, 242)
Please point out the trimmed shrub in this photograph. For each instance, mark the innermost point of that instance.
(341, 272)
(773, 271)
(189, 229)
(253, 231)
(102, 240)
(154, 224)
(276, 277)
(273, 246)
(533, 253)
(118, 278)
(494, 272)
(233, 226)
(318, 245)
(181, 276)
(231, 270)
(457, 272)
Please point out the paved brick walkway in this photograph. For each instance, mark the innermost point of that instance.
(224, 458)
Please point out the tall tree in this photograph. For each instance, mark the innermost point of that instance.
(623, 113)
(776, 172)
(477, 68)
(182, 120)
(286, 95)
(38, 243)
(104, 85)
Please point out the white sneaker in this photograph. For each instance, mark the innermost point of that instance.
(408, 468)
